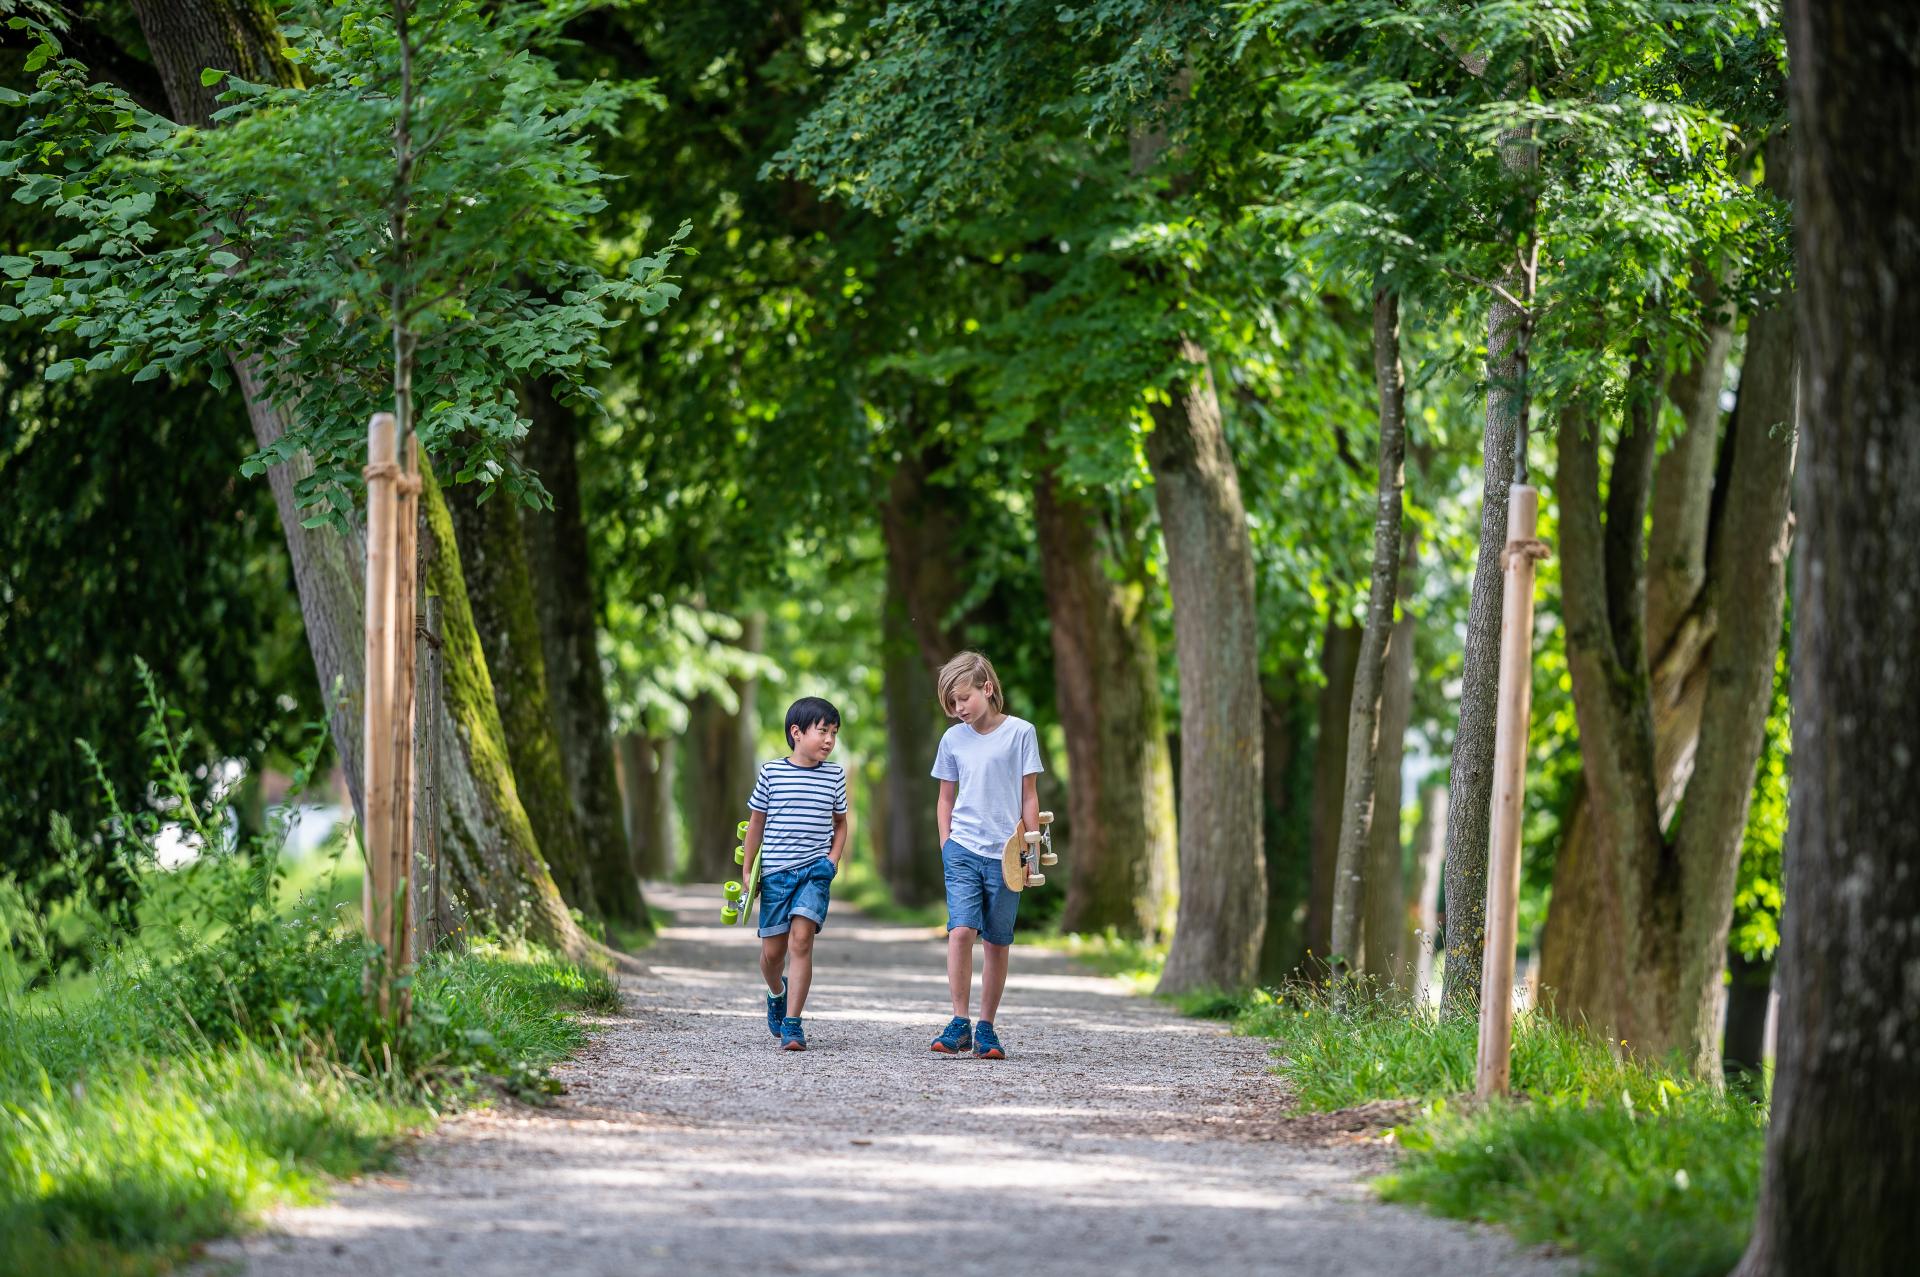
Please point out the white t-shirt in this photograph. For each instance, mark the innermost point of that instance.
(989, 770)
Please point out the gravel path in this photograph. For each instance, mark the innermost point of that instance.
(1118, 1138)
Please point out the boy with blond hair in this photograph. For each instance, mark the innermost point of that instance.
(987, 767)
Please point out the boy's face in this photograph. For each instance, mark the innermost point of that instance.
(815, 743)
(971, 702)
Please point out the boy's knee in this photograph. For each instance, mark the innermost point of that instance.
(965, 934)
(996, 949)
(801, 944)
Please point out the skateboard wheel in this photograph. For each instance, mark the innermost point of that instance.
(1032, 839)
(740, 831)
(739, 855)
(733, 890)
(1036, 880)
(729, 915)
(1049, 858)
(1046, 818)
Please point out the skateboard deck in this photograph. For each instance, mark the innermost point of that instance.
(1026, 851)
(738, 905)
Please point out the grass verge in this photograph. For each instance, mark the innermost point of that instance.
(126, 1135)
(1641, 1169)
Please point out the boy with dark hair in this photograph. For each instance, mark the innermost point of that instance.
(797, 818)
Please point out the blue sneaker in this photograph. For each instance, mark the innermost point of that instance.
(777, 1008)
(792, 1036)
(986, 1043)
(955, 1038)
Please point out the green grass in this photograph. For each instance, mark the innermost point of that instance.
(1640, 1169)
(139, 1115)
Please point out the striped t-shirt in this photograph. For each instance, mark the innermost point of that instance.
(800, 803)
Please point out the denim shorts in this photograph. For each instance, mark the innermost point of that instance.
(792, 893)
(977, 894)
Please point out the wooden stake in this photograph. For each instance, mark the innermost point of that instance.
(405, 608)
(377, 834)
(1509, 784)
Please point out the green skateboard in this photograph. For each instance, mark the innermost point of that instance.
(739, 902)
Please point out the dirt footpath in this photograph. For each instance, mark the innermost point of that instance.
(1118, 1138)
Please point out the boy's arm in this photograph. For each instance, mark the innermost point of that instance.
(944, 809)
(1030, 800)
(756, 829)
(842, 827)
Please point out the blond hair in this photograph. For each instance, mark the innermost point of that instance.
(973, 669)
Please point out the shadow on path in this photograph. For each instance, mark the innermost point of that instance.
(1118, 1138)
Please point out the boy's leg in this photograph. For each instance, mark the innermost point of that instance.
(960, 969)
(773, 960)
(800, 964)
(993, 979)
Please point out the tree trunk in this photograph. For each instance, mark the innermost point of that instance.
(1749, 989)
(1286, 719)
(1679, 636)
(1843, 1148)
(1387, 942)
(1107, 688)
(491, 856)
(908, 857)
(1370, 672)
(1683, 480)
(1635, 944)
(646, 777)
(723, 764)
(500, 588)
(558, 559)
(1430, 844)
(1470, 774)
(1339, 656)
(1223, 889)
(922, 524)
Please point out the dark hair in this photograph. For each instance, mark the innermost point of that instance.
(806, 712)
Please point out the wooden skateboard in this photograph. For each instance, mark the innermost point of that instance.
(739, 902)
(1026, 852)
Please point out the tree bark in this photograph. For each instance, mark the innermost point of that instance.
(922, 524)
(1370, 672)
(723, 764)
(1635, 942)
(1223, 890)
(500, 588)
(1843, 1149)
(1107, 689)
(487, 847)
(1339, 657)
(493, 861)
(1386, 940)
(646, 775)
(1470, 774)
(908, 858)
(561, 568)
(1683, 478)
(1286, 719)
(1749, 989)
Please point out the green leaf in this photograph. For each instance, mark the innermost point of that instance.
(211, 76)
(223, 259)
(148, 373)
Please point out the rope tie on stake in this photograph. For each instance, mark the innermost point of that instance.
(1531, 548)
(407, 485)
